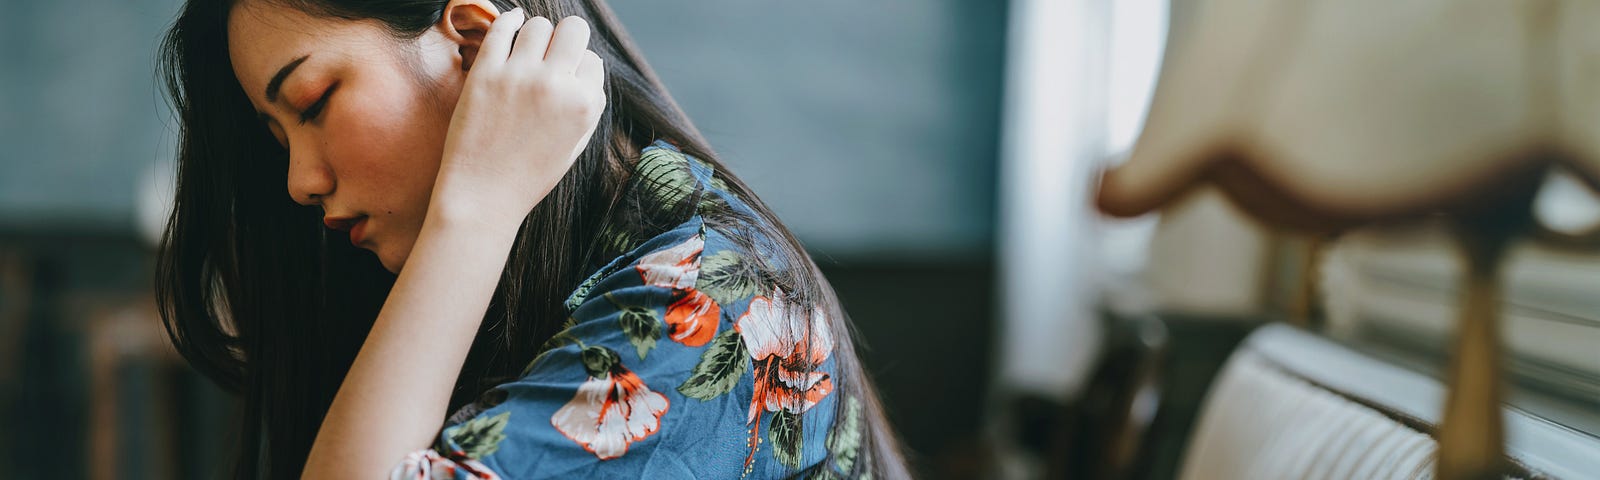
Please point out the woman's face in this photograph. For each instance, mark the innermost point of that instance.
(362, 115)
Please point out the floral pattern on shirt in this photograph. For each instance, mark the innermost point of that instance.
(680, 360)
(612, 409)
(692, 318)
(787, 357)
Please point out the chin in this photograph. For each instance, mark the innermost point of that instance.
(392, 267)
(390, 264)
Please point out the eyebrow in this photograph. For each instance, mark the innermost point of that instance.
(277, 79)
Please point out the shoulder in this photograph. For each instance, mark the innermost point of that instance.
(705, 219)
(680, 344)
(648, 370)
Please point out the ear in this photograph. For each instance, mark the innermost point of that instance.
(465, 22)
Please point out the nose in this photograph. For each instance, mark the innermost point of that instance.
(310, 179)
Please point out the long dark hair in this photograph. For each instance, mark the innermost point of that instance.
(258, 297)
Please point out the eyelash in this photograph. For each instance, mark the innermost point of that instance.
(316, 108)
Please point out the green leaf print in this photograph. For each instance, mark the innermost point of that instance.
(642, 326)
(720, 184)
(598, 360)
(580, 294)
(725, 277)
(617, 239)
(720, 367)
(712, 204)
(560, 339)
(665, 175)
(845, 439)
(784, 433)
(480, 436)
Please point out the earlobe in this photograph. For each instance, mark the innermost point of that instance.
(465, 22)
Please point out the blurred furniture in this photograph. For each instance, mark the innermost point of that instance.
(1117, 408)
(89, 385)
(1290, 404)
(16, 293)
(119, 339)
(1321, 116)
(1396, 290)
(1102, 433)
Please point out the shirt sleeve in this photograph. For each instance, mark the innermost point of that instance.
(651, 378)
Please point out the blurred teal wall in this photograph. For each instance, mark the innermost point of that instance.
(870, 126)
(81, 115)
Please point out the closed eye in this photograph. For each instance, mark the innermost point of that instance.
(316, 108)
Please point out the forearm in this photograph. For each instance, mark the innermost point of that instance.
(394, 397)
(493, 171)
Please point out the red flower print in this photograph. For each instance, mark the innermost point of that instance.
(676, 268)
(613, 409)
(692, 320)
(785, 345)
(429, 465)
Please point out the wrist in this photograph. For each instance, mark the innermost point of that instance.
(463, 213)
(461, 197)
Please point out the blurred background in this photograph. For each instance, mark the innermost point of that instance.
(939, 158)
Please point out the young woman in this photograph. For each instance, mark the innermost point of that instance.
(504, 252)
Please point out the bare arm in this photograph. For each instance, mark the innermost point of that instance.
(393, 399)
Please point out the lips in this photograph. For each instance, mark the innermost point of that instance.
(358, 232)
(356, 225)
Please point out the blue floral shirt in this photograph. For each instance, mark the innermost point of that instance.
(676, 363)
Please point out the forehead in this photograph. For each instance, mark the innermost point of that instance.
(264, 36)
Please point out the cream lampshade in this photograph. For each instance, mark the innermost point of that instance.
(1321, 115)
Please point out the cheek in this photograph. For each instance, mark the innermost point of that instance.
(385, 143)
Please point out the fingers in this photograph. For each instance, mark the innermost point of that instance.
(567, 45)
(533, 40)
(560, 48)
(497, 43)
(591, 69)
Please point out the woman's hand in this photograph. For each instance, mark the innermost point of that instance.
(524, 114)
